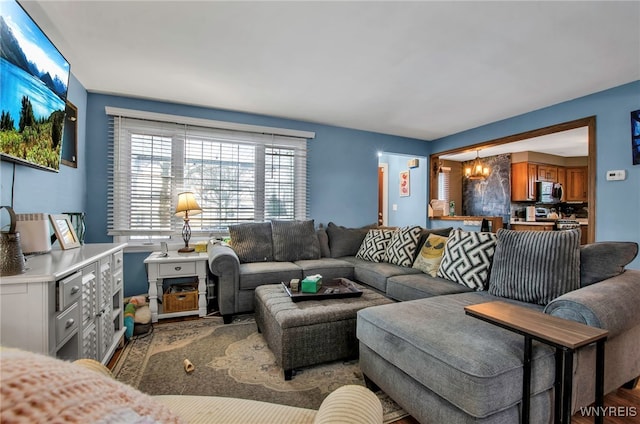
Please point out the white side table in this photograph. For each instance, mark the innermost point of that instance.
(176, 265)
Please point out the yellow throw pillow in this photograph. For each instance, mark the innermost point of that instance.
(429, 258)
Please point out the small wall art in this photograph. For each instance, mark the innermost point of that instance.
(635, 136)
(404, 184)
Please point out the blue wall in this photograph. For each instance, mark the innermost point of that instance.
(342, 168)
(36, 190)
(617, 202)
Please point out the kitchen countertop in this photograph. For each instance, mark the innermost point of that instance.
(582, 221)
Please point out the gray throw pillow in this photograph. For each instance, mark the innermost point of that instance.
(606, 259)
(252, 241)
(323, 238)
(345, 241)
(294, 241)
(535, 266)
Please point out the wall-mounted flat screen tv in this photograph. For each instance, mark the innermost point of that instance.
(33, 91)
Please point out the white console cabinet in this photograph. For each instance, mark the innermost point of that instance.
(68, 303)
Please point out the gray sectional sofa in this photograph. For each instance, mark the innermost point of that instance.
(439, 364)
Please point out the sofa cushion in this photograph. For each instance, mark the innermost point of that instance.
(329, 268)
(252, 241)
(472, 364)
(401, 250)
(467, 258)
(535, 266)
(419, 286)
(430, 255)
(602, 260)
(294, 240)
(345, 241)
(256, 274)
(375, 274)
(374, 245)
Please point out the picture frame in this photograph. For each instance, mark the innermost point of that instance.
(63, 228)
(404, 184)
(635, 137)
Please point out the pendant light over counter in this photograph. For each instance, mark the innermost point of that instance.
(477, 171)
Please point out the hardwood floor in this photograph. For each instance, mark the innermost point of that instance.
(626, 402)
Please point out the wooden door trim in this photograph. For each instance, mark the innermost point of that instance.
(589, 122)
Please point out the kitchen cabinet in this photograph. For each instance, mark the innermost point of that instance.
(547, 173)
(577, 184)
(68, 304)
(533, 227)
(562, 179)
(584, 236)
(523, 181)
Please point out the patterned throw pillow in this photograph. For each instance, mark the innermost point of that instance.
(403, 245)
(535, 266)
(430, 256)
(374, 245)
(467, 258)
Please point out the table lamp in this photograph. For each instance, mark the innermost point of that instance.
(187, 205)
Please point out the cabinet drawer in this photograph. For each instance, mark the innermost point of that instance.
(117, 261)
(69, 290)
(117, 281)
(67, 323)
(177, 269)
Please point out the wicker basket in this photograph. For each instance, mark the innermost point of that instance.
(180, 298)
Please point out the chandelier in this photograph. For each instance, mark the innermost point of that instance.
(477, 171)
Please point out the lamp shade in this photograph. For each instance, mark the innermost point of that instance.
(187, 203)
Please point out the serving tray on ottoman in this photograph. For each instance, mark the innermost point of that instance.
(332, 289)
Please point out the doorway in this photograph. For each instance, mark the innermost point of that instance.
(589, 123)
(383, 193)
(401, 204)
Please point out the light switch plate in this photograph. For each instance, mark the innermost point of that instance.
(616, 175)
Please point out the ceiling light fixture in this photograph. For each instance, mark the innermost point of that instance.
(477, 171)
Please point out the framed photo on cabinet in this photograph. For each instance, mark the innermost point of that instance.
(63, 228)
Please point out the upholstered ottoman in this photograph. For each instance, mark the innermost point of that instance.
(310, 332)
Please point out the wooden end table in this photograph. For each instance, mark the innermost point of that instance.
(176, 265)
(565, 335)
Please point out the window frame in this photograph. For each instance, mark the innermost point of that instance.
(123, 123)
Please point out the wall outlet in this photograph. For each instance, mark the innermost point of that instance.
(616, 175)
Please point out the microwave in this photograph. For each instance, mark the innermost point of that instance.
(548, 192)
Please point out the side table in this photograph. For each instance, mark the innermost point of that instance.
(566, 336)
(176, 265)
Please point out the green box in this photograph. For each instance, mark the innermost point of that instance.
(311, 284)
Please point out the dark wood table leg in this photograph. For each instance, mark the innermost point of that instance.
(567, 383)
(526, 380)
(599, 380)
(557, 389)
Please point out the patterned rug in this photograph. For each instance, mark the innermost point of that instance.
(230, 360)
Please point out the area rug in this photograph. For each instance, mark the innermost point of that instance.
(231, 360)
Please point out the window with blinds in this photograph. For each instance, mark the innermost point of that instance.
(443, 186)
(237, 176)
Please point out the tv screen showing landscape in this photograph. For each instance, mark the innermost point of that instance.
(33, 91)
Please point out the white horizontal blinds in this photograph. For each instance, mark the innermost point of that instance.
(443, 186)
(237, 177)
(222, 173)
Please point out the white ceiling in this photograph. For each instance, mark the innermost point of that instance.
(568, 143)
(417, 69)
